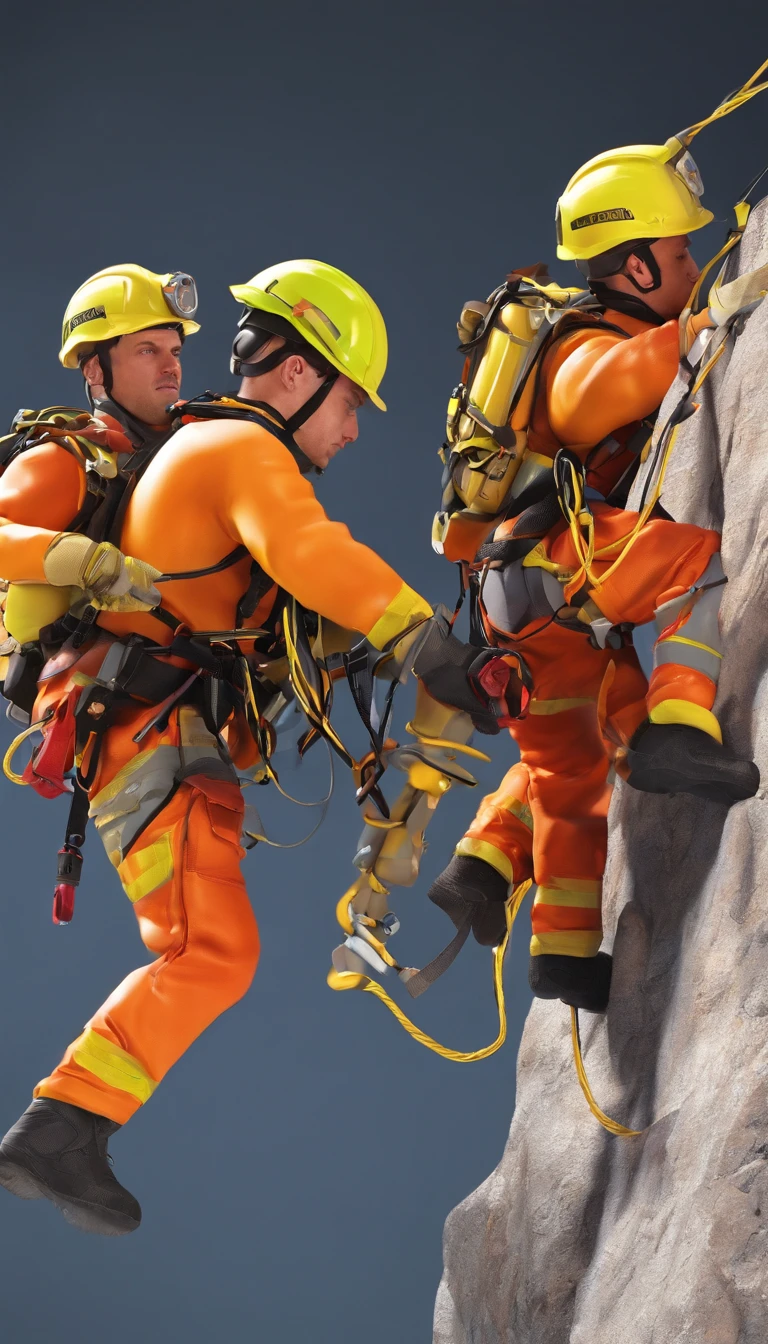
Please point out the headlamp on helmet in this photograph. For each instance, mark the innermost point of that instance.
(180, 293)
(688, 170)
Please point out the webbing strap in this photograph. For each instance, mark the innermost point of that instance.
(232, 558)
(427, 976)
(341, 980)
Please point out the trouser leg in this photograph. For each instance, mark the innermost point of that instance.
(183, 877)
(501, 832)
(671, 573)
(568, 767)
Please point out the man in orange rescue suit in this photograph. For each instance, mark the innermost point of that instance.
(624, 218)
(124, 329)
(226, 519)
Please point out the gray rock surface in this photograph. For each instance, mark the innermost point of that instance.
(581, 1238)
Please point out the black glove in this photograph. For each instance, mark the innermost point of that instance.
(491, 686)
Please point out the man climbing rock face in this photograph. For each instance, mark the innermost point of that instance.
(625, 218)
(177, 696)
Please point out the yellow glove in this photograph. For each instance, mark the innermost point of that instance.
(111, 581)
(724, 302)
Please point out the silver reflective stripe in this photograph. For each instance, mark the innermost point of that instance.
(120, 816)
(687, 655)
(701, 627)
(146, 783)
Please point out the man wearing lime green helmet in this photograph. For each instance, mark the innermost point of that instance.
(163, 709)
(625, 219)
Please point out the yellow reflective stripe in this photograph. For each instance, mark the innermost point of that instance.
(113, 1066)
(684, 712)
(404, 609)
(112, 789)
(559, 706)
(520, 810)
(680, 639)
(569, 943)
(570, 891)
(480, 849)
(147, 869)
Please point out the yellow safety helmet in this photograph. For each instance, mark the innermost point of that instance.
(121, 300)
(330, 311)
(639, 191)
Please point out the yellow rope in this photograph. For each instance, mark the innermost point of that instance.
(8, 770)
(613, 1126)
(585, 548)
(343, 980)
(736, 99)
(368, 986)
(305, 693)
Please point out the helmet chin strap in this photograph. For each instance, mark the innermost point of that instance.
(644, 253)
(615, 261)
(313, 404)
(254, 329)
(271, 361)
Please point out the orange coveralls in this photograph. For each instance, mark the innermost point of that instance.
(547, 820)
(214, 485)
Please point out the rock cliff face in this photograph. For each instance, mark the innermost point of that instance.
(581, 1238)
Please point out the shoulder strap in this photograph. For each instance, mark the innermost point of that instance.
(211, 406)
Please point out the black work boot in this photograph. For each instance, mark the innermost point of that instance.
(673, 758)
(470, 882)
(59, 1152)
(581, 982)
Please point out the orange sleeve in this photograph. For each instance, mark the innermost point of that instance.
(40, 493)
(279, 518)
(607, 382)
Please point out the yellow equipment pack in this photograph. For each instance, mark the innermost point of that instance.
(489, 468)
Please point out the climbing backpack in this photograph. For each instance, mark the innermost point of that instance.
(489, 467)
(34, 614)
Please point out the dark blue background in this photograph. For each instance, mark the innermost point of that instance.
(296, 1167)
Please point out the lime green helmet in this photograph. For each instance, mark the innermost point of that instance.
(319, 305)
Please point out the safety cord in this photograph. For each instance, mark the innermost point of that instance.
(314, 701)
(8, 770)
(322, 802)
(729, 104)
(272, 776)
(613, 1126)
(342, 980)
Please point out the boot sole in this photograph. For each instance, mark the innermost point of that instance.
(93, 1218)
(656, 779)
(18, 1181)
